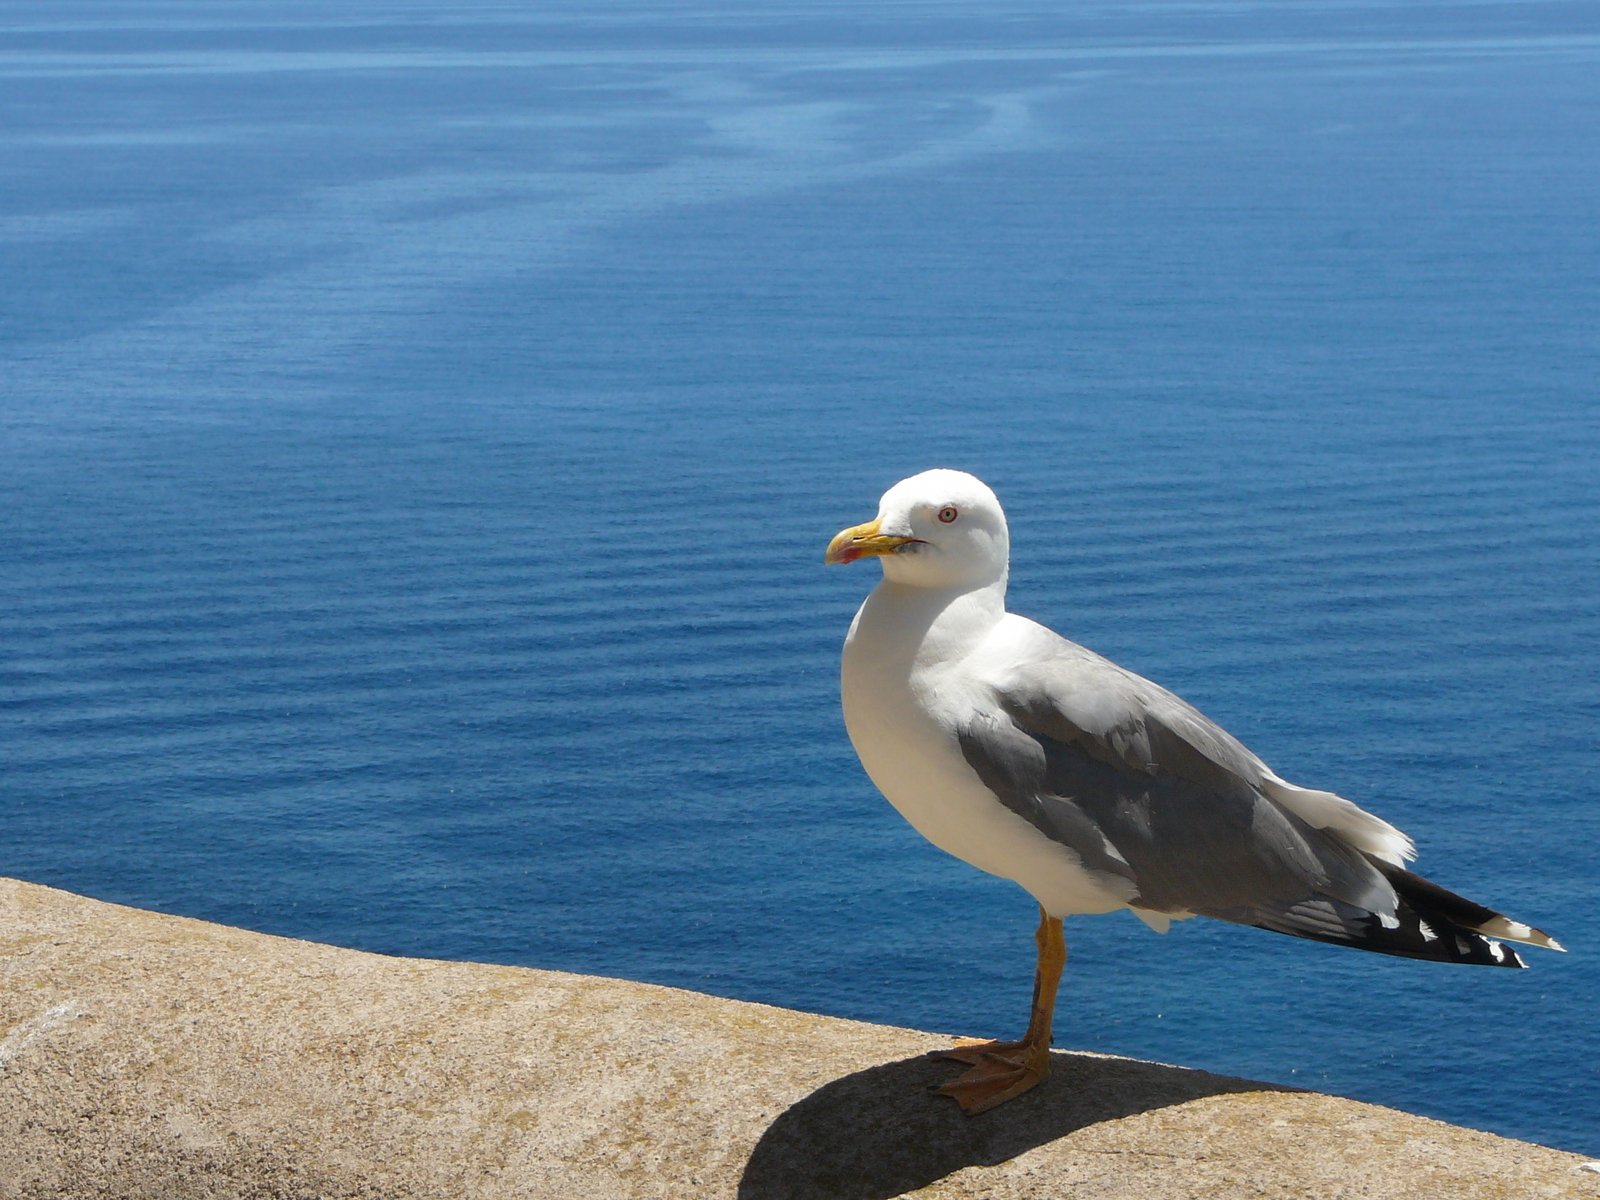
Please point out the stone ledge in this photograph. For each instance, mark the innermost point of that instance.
(150, 1056)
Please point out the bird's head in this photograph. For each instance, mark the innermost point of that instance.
(938, 529)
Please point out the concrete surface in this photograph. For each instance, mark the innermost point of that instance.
(144, 1055)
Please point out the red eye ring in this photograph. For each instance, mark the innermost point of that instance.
(948, 513)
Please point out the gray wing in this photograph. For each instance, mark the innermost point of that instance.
(1142, 785)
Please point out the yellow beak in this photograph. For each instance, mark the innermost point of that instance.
(862, 541)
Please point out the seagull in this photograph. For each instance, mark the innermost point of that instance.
(1039, 761)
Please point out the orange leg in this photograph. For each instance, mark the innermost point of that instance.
(1002, 1070)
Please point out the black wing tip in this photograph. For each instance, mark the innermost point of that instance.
(1461, 917)
(1411, 937)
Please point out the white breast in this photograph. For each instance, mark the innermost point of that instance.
(899, 716)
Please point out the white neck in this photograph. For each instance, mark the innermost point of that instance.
(901, 625)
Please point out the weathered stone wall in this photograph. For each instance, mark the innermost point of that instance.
(144, 1055)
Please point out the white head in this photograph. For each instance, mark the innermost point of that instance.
(939, 529)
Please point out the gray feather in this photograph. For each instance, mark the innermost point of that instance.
(1141, 785)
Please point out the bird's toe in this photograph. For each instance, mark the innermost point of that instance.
(974, 1050)
(997, 1077)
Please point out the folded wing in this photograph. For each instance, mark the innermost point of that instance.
(1141, 785)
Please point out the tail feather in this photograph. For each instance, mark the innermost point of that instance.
(1429, 922)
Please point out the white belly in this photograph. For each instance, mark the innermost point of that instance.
(920, 770)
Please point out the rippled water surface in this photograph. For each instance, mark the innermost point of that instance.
(420, 427)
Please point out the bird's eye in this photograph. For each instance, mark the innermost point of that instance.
(948, 513)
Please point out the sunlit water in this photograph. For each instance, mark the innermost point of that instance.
(421, 426)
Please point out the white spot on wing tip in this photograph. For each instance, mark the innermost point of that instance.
(1516, 931)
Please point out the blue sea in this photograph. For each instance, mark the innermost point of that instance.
(420, 426)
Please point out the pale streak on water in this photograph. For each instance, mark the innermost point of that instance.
(420, 429)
